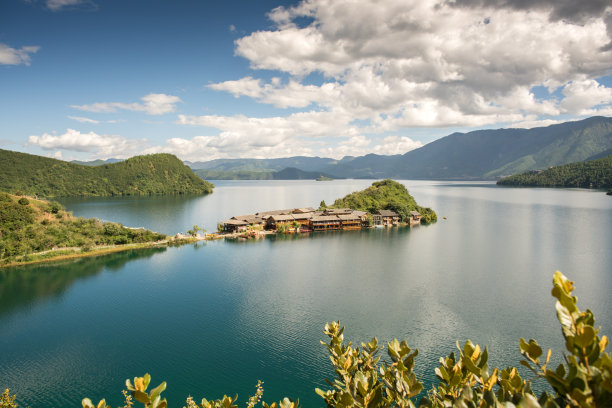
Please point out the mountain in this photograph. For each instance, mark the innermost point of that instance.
(291, 173)
(96, 162)
(478, 155)
(155, 174)
(489, 154)
(589, 174)
(259, 165)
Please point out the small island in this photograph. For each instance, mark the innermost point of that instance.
(386, 203)
(324, 178)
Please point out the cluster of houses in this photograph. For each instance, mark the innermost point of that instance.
(309, 219)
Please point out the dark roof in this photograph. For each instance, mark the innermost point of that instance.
(281, 217)
(235, 222)
(325, 218)
(388, 213)
(338, 211)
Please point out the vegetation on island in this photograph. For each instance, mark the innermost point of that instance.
(386, 195)
(324, 178)
(155, 174)
(364, 379)
(32, 229)
(590, 174)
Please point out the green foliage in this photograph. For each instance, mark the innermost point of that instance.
(590, 174)
(465, 379)
(42, 226)
(322, 205)
(23, 201)
(156, 174)
(386, 195)
(7, 401)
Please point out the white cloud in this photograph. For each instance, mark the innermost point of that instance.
(83, 120)
(152, 104)
(14, 56)
(413, 63)
(583, 96)
(57, 5)
(99, 145)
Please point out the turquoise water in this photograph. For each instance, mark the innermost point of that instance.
(213, 318)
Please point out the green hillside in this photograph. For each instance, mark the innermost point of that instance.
(29, 226)
(155, 174)
(590, 174)
(386, 195)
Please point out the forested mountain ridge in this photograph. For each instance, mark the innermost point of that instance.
(478, 155)
(155, 174)
(589, 174)
(489, 154)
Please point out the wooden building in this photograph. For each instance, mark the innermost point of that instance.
(325, 222)
(386, 218)
(415, 217)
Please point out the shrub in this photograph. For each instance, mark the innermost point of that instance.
(23, 201)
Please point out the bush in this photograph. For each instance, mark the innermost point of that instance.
(23, 201)
(585, 380)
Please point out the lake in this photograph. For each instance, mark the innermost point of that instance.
(213, 318)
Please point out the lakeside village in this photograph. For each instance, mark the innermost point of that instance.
(308, 219)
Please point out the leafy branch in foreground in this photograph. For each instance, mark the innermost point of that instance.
(362, 380)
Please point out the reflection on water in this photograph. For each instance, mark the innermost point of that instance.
(213, 318)
(24, 285)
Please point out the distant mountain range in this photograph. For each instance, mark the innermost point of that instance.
(155, 174)
(477, 155)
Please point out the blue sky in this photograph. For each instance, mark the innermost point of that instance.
(88, 79)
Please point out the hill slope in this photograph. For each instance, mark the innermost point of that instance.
(30, 226)
(489, 154)
(156, 174)
(590, 174)
(386, 195)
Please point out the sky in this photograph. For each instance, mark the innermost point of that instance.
(99, 79)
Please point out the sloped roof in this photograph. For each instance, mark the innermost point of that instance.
(235, 222)
(415, 213)
(349, 217)
(325, 218)
(388, 213)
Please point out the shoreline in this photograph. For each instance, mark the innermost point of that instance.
(178, 239)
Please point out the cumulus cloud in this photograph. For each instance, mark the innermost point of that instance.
(582, 97)
(14, 56)
(152, 104)
(99, 145)
(425, 63)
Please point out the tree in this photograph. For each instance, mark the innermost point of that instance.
(322, 205)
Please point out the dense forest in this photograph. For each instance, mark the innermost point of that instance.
(155, 174)
(590, 174)
(386, 195)
(30, 226)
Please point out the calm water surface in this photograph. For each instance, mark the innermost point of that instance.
(213, 318)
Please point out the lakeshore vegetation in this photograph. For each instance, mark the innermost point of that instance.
(364, 379)
(32, 229)
(386, 195)
(591, 174)
(155, 174)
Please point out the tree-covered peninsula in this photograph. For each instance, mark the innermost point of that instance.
(386, 195)
(155, 174)
(32, 230)
(590, 174)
